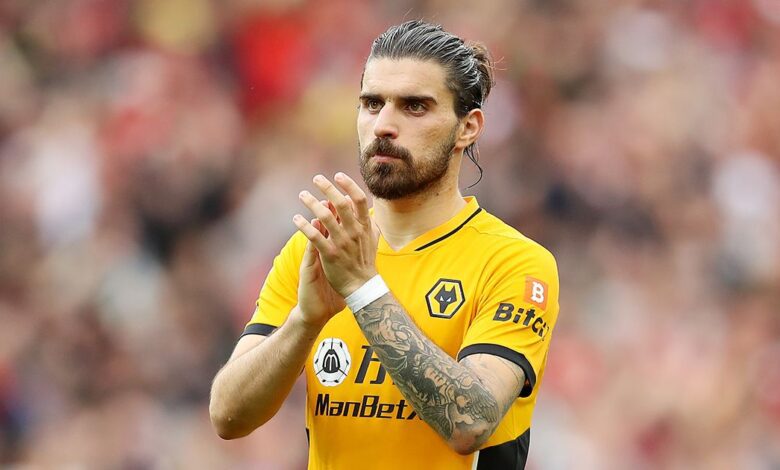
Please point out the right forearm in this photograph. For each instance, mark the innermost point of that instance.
(251, 388)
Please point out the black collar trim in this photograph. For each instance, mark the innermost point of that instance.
(452, 232)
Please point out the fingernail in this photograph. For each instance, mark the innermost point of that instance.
(340, 175)
(319, 178)
(303, 194)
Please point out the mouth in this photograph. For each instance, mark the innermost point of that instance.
(384, 158)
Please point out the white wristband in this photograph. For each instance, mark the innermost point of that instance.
(373, 289)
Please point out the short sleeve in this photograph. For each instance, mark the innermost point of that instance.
(517, 310)
(279, 293)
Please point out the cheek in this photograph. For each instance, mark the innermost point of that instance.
(431, 135)
(427, 138)
(439, 128)
(364, 129)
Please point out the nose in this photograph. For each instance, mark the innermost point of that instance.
(385, 125)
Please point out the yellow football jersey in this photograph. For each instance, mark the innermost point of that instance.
(472, 285)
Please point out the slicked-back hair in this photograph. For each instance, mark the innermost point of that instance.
(468, 65)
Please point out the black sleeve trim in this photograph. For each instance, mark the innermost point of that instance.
(258, 329)
(510, 455)
(509, 355)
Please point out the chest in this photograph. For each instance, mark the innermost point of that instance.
(440, 293)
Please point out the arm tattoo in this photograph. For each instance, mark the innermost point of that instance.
(447, 395)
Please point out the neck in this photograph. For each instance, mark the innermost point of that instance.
(403, 220)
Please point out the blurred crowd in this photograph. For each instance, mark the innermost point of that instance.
(150, 157)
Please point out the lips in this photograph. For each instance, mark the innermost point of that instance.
(384, 158)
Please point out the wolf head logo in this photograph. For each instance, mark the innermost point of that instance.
(445, 297)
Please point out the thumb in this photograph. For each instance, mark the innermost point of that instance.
(310, 255)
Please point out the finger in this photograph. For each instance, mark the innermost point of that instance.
(357, 195)
(351, 203)
(318, 225)
(322, 213)
(331, 208)
(309, 255)
(343, 207)
(309, 231)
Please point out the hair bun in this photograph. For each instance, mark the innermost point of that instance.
(484, 65)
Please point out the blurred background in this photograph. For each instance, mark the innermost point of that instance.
(151, 153)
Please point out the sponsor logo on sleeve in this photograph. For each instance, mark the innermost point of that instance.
(508, 312)
(536, 292)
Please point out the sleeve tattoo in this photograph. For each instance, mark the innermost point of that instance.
(446, 394)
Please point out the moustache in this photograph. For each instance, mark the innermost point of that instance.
(387, 148)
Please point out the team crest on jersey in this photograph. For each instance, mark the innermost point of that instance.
(445, 298)
(332, 361)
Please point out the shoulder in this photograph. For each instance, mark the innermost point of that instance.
(504, 242)
(513, 263)
(297, 242)
(291, 254)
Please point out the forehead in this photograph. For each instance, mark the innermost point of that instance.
(405, 77)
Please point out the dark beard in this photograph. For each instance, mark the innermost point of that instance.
(403, 177)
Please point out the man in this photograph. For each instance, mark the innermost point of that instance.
(423, 327)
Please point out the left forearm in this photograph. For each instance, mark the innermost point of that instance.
(446, 394)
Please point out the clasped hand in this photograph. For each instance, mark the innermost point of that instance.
(342, 233)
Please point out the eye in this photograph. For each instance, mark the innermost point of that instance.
(416, 107)
(372, 105)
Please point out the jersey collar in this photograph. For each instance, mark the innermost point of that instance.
(437, 234)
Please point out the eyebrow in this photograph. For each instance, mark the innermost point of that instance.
(403, 98)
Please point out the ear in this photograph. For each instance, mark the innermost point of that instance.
(471, 126)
